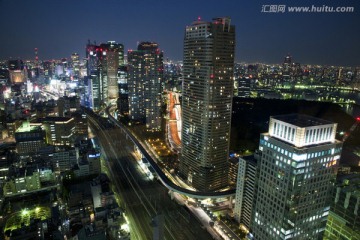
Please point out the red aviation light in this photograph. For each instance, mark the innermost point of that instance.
(358, 119)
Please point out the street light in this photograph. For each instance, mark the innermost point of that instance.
(24, 212)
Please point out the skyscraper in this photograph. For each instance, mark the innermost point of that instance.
(123, 101)
(75, 62)
(297, 171)
(244, 87)
(95, 78)
(245, 189)
(94, 97)
(104, 60)
(207, 101)
(145, 75)
(114, 56)
(92, 57)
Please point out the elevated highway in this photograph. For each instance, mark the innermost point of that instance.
(161, 175)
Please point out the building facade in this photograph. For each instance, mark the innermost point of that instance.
(245, 190)
(206, 104)
(102, 68)
(29, 139)
(94, 97)
(63, 159)
(296, 174)
(123, 101)
(145, 76)
(114, 56)
(344, 217)
(59, 130)
(17, 71)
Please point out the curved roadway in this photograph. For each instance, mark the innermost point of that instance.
(162, 177)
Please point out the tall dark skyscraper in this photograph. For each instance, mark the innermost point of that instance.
(92, 58)
(145, 76)
(207, 101)
(123, 101)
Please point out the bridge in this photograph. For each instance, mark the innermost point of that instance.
(161, 175)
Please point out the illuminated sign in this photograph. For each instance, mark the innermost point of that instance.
(94, 155)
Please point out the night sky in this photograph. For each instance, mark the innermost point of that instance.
(59, 28)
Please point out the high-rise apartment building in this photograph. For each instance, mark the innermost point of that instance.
(297, 172)
(206, 103)
(145, 75)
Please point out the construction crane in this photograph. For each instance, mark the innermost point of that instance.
(353, 127)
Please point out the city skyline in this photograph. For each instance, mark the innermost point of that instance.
(195, 133)
(316, 38)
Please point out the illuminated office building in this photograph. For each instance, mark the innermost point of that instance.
(75, 60)
(123, 101)
(206, 104)
(297, 172)
(17, 71)
(29, 139)
(104, 60)
(113, 58)
(94, 97)
(59, 130)
(92, 57)
(244, 87)
(145, 75)
(97, 76)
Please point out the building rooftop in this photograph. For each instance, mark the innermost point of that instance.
(26, 127)
(54, 119)
(302, 121)
(250, 159)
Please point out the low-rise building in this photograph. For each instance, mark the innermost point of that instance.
(64, 158)
(29, 139)
(59, 130)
